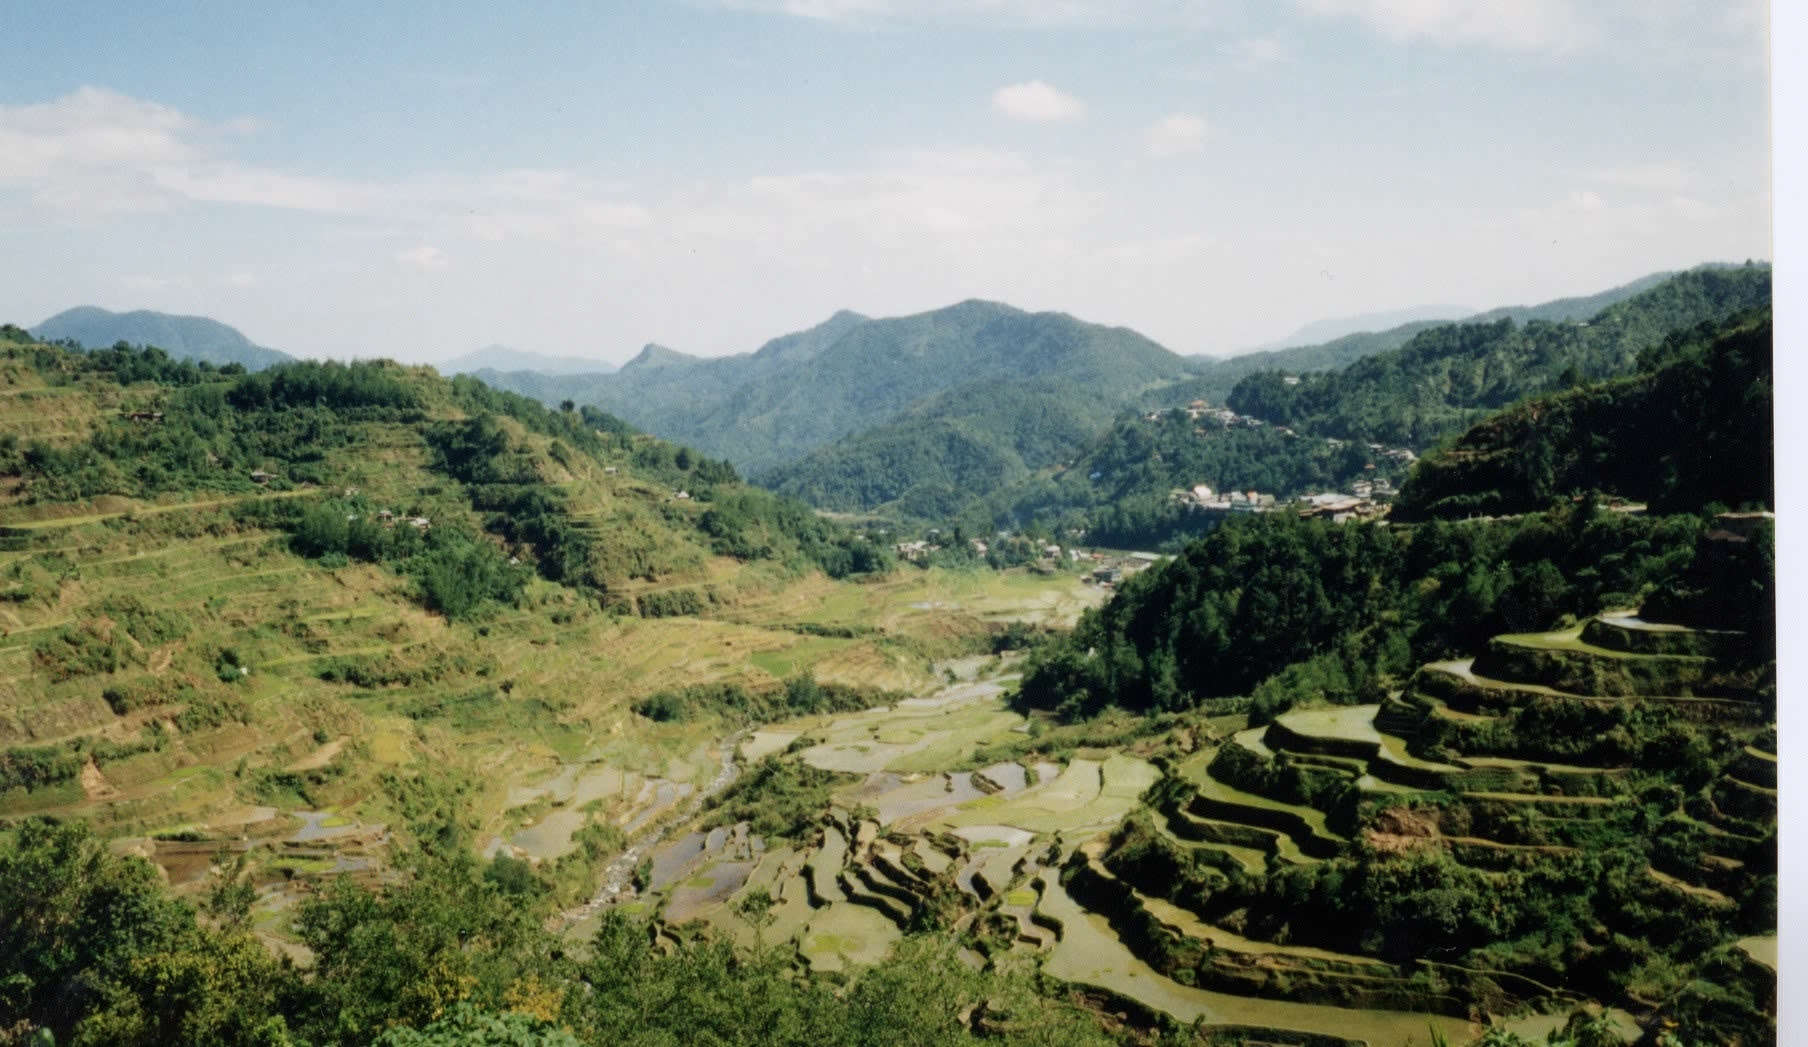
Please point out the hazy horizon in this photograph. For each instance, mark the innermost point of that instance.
(401, 180)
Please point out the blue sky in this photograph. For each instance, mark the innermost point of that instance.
(420, 180)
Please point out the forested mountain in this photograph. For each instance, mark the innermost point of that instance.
(1218, 376)
(183, 337)
(1447, 377)
(1118, 488)
(849, 374)
(1694, 427)
(930, 461)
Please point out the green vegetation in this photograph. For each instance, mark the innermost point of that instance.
(230, 432)
(777, 798)
(183, 337)
(807, 390)
(1693, 429)
(1120, 491)
(800, 696)
(1289, 610)
(93, 951)
(931, 460)
(1218, 377)
(1448, 377)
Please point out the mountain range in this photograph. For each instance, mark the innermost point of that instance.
(846, 375)
(503, 358)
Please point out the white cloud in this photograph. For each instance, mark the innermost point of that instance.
(941, 201)
(231, 184)
(1515, 24)
(1037, 102)
(1257, 53)
(1176, 135)
(92, 151)
(427, 258)
(90, 131)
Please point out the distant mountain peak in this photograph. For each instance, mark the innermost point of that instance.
(503, 358)
(655, 356)
(1320, 331)
(183, 337)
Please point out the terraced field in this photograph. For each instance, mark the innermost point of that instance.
(226, 692)
(194, 670)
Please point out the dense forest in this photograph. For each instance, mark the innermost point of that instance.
(1693, 428)
(1284, 609)
(1291, 611)
(1448, 377)
(931, 461)
(807, 390)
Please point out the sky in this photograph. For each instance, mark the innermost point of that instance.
(419, 180)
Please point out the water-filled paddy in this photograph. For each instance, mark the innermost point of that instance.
(1088, 953)
(844, 933)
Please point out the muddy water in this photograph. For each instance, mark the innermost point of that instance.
(1088, 953)
(550, 837)
(897, 800)
(693, 898)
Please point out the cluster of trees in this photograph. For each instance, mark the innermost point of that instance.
(456, 570)
(92, 951)
(800, 696)
(753, 525)
(216, 426)
(1286, 609)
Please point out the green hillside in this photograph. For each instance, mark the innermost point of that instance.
(1491, 759)
(1119, 489)
(849, 374)
(183, 337)
(1217, 377)
(1448, 377)
(1025, 455)
(931, 460)
(1694, 428)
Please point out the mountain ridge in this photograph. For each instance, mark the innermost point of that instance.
(504, 358)
(183, 337)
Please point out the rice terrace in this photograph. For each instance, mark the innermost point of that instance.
(1269, 652)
